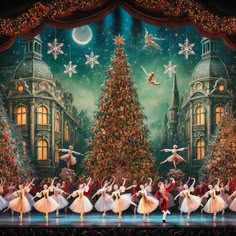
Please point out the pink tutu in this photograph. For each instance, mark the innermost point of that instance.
(45, 205)
(81, 205)
(214, 204)
(104, 203)
(122, 203)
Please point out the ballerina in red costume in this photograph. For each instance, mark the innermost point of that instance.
(69, 158)
(164, 201)
(175, 158)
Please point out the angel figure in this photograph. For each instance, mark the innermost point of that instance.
(150, 77)
(149, 40)
(175, 158)
(69, 158)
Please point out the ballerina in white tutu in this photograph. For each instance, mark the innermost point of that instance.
(122, 201)
(175, 158)
(46, 204)
(223, 193)
(232, 205)
(81, 204)
(103, 204)
(3, 201)
(147, 204)
(58, 196)
(215, 203)
(20, 203)
(69, 158)
(190, 202)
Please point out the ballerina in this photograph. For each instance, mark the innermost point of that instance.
(103, 204)
(81, 204)
(20, 203)
(122, 201)
(215, 203)
(69, 158)
(149, 40)
(190, 202)
(58, 196)
(3, 201)
(46, 204)
(164, 201)
(179, 189)
(223, 193)
(232, 205)
(150, 77)
(28, 194)
(175, 158)
(147, 204)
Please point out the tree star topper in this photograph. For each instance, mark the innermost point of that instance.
(170, 69)
(70, 69)
(186, 48)
(55, 48)
(119, 40)
(92, 59)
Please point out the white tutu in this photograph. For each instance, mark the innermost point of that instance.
(147, 204)
(20, 204)
(232, 206)
(46, 205)
(8, 197)
(81, 205)
(225, 196)
(190, 204)
(122, 203)
(214, 204)
(30, 199)
(60, 200)
(71, 159)
(104, 204)
(3, 203)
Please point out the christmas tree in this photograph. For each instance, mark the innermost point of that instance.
(220, 161)
(13, 154)
(119, 144)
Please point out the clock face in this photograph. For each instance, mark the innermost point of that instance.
(221, 88)
(20, 88)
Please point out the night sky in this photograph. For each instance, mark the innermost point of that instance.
(85, 84)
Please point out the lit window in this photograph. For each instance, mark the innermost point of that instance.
(221, 88)
(67, 132)
(42, 149)
(42, 115)
(21, 115)
(57, 154)
(200, 116)
(200, 151)
(219, 111)
(57, 122)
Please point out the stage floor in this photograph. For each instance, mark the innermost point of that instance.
(96, 220)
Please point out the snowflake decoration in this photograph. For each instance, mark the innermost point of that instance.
(92, 60)
(119, 40)
(55, 48)
(70, 69)
(170, 69)
(186, 48)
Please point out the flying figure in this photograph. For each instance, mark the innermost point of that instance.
(150, 77)
(149, 40)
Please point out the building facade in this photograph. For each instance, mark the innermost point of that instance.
(193, 119)
(41, 110)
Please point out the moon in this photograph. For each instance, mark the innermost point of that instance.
(82, 35)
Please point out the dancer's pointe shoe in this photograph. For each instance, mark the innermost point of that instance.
(119, 217)
(188, 218)
(168, 212)
(104, 214)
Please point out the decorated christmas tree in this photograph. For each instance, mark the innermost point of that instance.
(13, 154)
(119, 144)
(220, 161)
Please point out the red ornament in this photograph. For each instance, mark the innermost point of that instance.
(33, 19)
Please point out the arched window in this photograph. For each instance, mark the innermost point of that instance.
(56, 154)
(67, 132)
(200, 149)
(42, 151)
(200, 116)
(218, 114)
(57, 122)
(42, 115)
(21, 118)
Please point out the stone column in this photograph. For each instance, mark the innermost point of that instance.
(32, 129)
(191, 145)
(62, 129)
(53, 132)
(10, 113)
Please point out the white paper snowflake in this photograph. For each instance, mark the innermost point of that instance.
(70, 69)
(55, 48)
(170, 69)
(92, 59)
(186, 48)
